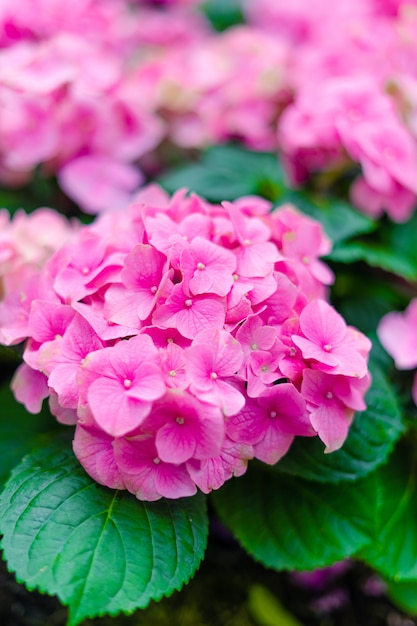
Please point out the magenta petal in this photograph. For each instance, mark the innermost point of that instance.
(226, 395)
(208, 474)
(144, 267)
(250, 424)
(203, 314)
(273, 446)
(311, 350)
(30, 387)
(135, 459)
(173, 481)
(175, 443)
(94, 450)
(322, 324)
(63, 381)
(149, 384)
(122, 306)
(115, 412)
(331, 420)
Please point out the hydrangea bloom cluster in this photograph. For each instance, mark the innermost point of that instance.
(164, 75)
(66, 95)
(183, 338)
(398, 334)
(258, 83)
(361, 54)
(228, 86)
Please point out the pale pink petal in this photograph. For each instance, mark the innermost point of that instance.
(114, 410)
(397, 333)
(98, 183)
(173, 481)
(331, 421)
(321, 324)
(207, 267)
(63, 380)
(94, 450)
(63, 415)
(273, 446)
(208, 474)
(174, 443)
(30, 387)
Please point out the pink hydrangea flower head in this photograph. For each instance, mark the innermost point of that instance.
(183, 338)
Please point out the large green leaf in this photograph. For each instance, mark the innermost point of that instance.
(393, 549)
(371, 439)
(100, 551)
(18, 431)
(290, 523)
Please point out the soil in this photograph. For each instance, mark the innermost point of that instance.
(230, 589)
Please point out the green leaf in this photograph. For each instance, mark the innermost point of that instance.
(228, 172)
(393, 549)
(383, 249)
(18, 431)
(289, 523)
(338, 218)
(100, 551)
(40, 191)
(371, 440)
(223, 13)
(376, 255)
(404, 594)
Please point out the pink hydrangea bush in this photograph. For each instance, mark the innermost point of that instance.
(183, 338)
(57, 110)
(166, 76)
(231, 85)
(361, 54)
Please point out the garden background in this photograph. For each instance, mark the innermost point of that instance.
(308, 110)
